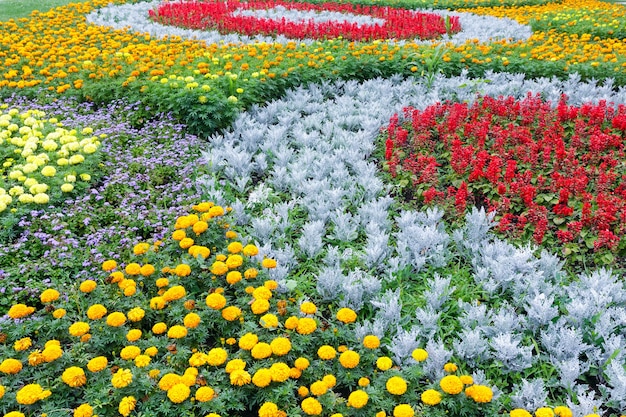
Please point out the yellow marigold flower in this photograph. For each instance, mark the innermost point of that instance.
(179, 235)
(311, 406)
(178, 393)
(217, 356)
(18, 311)
(318, 388)
(231, 341)
(109, 265)
(371, 342)
(216, 211)
(154, 373)
(302, 363)
(479, 393)
(127, 405)
(162, 282)
(136, 314)
(262, 378)
(122, 378)
(35, 358)
(83, 410)
(450, 367)
(269, 321)
(384, 363)
(239, 377)
(420, 355)
(167, 381)
(142, 361)
(520, 412)
(292, 323)
(79, 328)
(141, 248)
(10, 366)
(177, 332)
(260, 306)
(204, 394)
(130, 352)
(215, 301)
(231, 313)
(363, 382)
(250, 273)
(431, 397)
(358, 399)
(87, 286)
(203, 207)
(219, 268)
(151, 351)
(346, 315)
(233, 277)
(234, 364)
(52, 353)
(248, 340)
(466, 379)
(191, 320)
(268, 263)
(14, 414)
(182, 270)
(49, 295)
(326, 352)
(308, 307)
(74, 377)
(174, 293)
(22, 344)
(147, 270)
(186, 243)
(261, 350)
(396, 385)
(30, 394)
(403, 410)
(198, 359)
(563, 411)
(220, 257)
(306, 325)
(262, 293)
(544, 412)
(303, 391)
(94, 312)
(451, 384)
(234, 261)
(250, 250)
(268, 409)
(330, 380)
(234, 247)
(133, 268)
(116, 277)
(280, 371)
(349, 359)
(157, 303)
(280, 346)
(200, 227)
(230, 234)
(159, 328)
(59, 313)
(116, 319)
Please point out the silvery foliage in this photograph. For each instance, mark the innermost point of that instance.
(438, 356)
(529, 395)
(311, 240)
(281, 12)
(378, 327)
(421, 239)
(402, 345)
(438, 292)
(388, 307)
(470, 237)
(508, 350)
(616, 373)
(586, 402)
(472, 347)
(358, 288)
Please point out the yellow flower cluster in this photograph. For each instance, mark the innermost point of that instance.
(42, 155)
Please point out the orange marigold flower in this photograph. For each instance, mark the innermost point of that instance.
(49, 295)
(358, 399)
(204, 394)
(18, 311)
(346, 315)
(74, 377)
(306, 325)
(10, 366)
(231, 313)
(87, 286)
(109, 265)
(451, 384)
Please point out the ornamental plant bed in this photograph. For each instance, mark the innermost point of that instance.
(555, 175)
(221, 16)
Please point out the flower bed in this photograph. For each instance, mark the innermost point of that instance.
(551, 174)
(226, 17)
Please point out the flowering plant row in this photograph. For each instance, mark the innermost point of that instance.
(604, 23)
(221, 16)
(553, 174)
(193, 325)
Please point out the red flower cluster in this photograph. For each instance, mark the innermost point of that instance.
(218, 15)
(547, 172)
